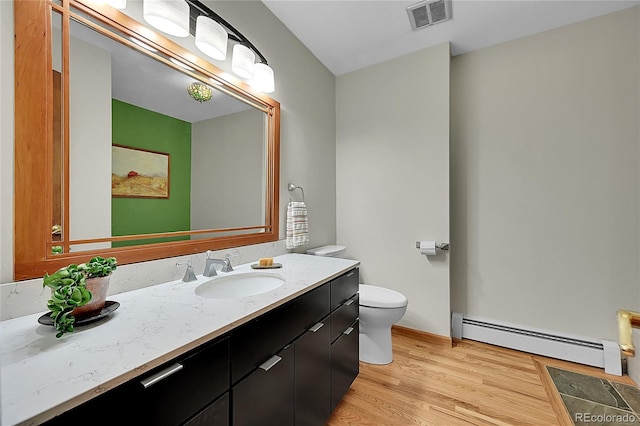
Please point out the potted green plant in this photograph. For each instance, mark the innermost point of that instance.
(78, 291)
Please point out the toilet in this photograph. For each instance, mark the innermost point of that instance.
(380, 308)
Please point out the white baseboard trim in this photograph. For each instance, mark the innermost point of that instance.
(598, 353)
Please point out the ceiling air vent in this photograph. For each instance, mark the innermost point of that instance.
(427, 13)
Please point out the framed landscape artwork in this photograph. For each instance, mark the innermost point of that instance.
(139, 173)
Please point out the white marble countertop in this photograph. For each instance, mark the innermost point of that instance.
(43, 376)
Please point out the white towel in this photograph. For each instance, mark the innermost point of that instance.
(297, 225)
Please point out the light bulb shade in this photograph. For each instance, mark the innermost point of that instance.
(168, 16)
(242, 61)
(118, 4)
(211, 38)
(263, 80)
(200, 92)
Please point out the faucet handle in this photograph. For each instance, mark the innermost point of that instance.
(189, 275)
(227, 263)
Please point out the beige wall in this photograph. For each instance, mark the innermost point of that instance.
(306, 91)
(544, 170)
(89, 137)
(227, 171)
(393, 178)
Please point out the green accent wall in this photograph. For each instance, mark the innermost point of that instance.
(140, 128)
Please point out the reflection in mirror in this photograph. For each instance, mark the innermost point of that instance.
(230, 193)
(57, 134)
(122, 101)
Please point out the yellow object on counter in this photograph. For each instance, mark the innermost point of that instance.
(266, 261)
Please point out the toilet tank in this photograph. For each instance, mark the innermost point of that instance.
(328, 251)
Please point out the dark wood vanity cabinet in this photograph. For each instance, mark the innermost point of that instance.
(345, 338)
(313, 375)
(344, 362)
(266, 396)
(289, 366)
(257, 340)
(292, 365)
(271, 352)
(344, 288)
(171, 394)
(215, 414)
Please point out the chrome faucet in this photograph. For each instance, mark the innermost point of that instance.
(210, 265)
(189, 275)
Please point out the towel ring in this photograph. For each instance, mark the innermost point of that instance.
(293, 187)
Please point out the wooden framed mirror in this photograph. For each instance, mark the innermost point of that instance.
(196, 175)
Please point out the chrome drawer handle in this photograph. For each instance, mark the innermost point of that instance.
(350, 274)
(266, 366)
(348, 302)
(316, 327)
(348, 331)
(161, 375)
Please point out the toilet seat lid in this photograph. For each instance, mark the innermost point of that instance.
(380, 297)
(328, 251)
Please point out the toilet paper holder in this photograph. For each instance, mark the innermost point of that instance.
(441, 246)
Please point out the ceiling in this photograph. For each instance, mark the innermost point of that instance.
(349, 35)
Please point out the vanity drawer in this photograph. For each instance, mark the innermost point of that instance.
(254, 342)
(344, 316)
(170, 394)
(311, 308)
(100, 409)
(343, 287)
(198, 378)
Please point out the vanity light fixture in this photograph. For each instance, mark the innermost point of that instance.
(212, 34)
(263, 80)
(169, 16)
(200, 92)
(242, 61)
(211, 38)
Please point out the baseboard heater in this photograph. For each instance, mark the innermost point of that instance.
(597, 353)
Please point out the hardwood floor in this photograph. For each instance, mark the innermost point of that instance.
(469, 383)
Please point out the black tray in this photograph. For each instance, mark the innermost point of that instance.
(274, 266)
(109, 306)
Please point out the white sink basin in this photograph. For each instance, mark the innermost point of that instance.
(239, 285)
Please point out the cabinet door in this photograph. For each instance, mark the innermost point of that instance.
(266, 396)
(215, 414)
(343, 287)
(345, 354)
(313, 376)
(258, 339)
